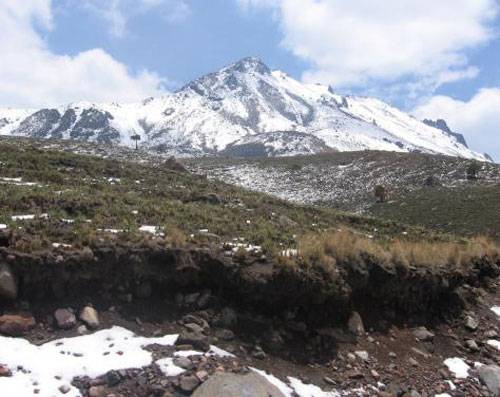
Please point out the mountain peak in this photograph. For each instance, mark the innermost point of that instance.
(249, 65)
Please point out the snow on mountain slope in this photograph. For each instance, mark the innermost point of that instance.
(237, 107)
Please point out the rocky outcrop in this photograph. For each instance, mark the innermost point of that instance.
(443, 126)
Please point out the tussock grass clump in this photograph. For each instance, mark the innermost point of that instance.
(347, 247)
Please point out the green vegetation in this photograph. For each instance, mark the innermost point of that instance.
(467, 210)
(86, 198)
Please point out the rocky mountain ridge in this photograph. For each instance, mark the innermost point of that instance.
(243, 108)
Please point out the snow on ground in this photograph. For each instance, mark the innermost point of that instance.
(458, 367)
(304, 390)
(496, 310)
(149, 229)
(3, 226)
(50, 368)
(53, 365)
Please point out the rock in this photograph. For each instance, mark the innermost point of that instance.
(189, 383)
(363, 355)
(491, 334)
(413, 362)
(355, 324)
(420, 352)
(193, 327)
(258, 353)
(205, 299)
(65, 318)
(82, 330)
(393, 355)
(5, 372)
(113, 378)
(16, 324)
(471, 323)
(202, 375)
(8, 285)
(355, 374)
(423, 334)
(183, 362)
(97, 391)
(237, 385)
(90, 317)
(224, 334)
(197, 340)
(229, 318)
(490, 376)
(375, 375)
(329, 381)
(64, 389)
(471, 345)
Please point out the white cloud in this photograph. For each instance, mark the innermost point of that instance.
(117, 13)
(478, 119)
(33, 76)
(362, 42)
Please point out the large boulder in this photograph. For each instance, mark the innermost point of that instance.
(237, 385)
(8, 285)
(490, 376)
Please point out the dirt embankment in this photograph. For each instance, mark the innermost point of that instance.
(385, 292)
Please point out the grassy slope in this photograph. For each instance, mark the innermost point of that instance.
(404, 269)
(469, 210)
(79, 188)
(347, 181)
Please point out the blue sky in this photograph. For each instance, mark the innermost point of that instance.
(432, 59)
(213, 34)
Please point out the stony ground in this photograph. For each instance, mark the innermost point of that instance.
(370, 359)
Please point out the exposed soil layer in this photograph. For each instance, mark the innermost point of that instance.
(384, 291)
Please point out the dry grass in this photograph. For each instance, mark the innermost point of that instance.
(330, 248)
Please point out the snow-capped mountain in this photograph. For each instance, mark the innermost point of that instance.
(242, 109)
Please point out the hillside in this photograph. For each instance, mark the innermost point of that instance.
(432, 191)
(129, 276)
(242, 109)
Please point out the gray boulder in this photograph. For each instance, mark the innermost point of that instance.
(490, 376)
(8, 285)
(234, 385)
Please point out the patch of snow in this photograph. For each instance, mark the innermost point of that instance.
(451, 384)
(496, 310)
(303, 390)
(281, 386)
(458, 367)
(23, 217)
(3, 226)
(149, 229)
(216, 351)
(113, 231)
(88, 355)
(187, 353)
(61, 245)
